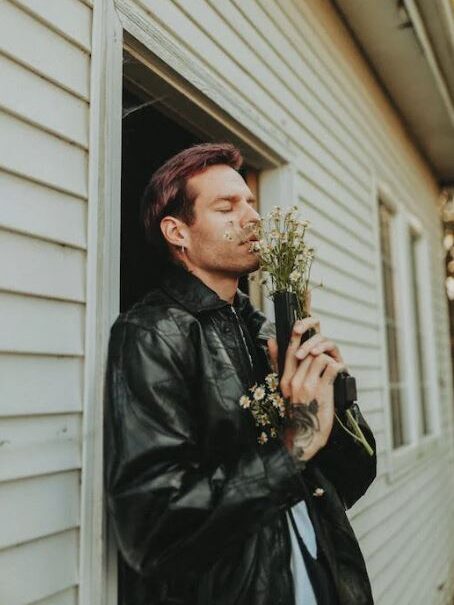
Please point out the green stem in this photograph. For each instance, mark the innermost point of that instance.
(358, 434)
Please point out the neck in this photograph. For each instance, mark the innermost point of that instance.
(223, 284)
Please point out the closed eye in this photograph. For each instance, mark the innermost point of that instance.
(225, 209)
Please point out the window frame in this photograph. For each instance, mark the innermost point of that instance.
(397, 320)
(407, 458)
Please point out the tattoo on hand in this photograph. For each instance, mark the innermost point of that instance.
(304, 419)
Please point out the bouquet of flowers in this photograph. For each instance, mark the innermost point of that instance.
(286, 260)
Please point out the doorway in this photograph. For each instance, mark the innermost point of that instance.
(149, 138)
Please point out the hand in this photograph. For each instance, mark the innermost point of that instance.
(315, 345)
(311, 391)
(307, 381)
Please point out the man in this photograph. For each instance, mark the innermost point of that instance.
(204, 514)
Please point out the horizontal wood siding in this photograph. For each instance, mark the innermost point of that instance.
(44, 119)
(293, 66)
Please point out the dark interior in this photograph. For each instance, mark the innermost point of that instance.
(149, 138)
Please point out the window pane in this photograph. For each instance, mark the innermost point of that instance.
(421, 377)
(392, 337)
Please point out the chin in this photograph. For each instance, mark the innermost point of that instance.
(250, 268)
(238, 267)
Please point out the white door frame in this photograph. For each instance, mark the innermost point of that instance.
(119, 24)
(97, 576)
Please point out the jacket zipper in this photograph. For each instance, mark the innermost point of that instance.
(242, 337)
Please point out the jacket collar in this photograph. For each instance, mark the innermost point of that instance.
(192, 293)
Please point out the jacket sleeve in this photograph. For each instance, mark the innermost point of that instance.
(345, 462)
(169, 512)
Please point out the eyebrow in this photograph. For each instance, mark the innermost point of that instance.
(231, 198)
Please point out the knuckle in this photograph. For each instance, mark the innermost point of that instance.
(294, 382)
(297, 326)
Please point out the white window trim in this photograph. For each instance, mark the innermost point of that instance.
(407, 459)
(276, 187)
(423, 257)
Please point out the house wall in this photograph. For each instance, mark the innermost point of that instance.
(44, 125)
(292, 73)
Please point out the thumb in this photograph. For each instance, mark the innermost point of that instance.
(272, 351)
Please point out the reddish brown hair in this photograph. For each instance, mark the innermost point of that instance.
(167, 193)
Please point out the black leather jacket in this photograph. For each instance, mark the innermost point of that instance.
(197, 504)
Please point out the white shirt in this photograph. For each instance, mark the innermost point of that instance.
(304, 595)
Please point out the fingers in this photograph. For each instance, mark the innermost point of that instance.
(307, 376)
(307, 346)
(307, 323)
(291, 362)
(292, 383)
(332, 370)
(319, 344)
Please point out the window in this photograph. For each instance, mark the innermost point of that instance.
(391, 324)
(410, 352)
(421, 378)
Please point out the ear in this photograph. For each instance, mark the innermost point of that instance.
(174, 231)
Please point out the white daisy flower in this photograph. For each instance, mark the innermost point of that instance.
(259, 393)
(245, 402)
(263, 438)
(272, 381)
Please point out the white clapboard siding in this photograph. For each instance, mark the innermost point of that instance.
(38, 445)
(286, 66)
(42, 268)
(44, 122)
(326, 300)
(232, 70)
(348, 235)
(297, 71)
(350, 92)
(45, 104)
(371, 399)
(329, 250)
(35, 209)
(43, 50)
(325, 198)
(365, 356)
(40, 384)
(39, 506)
(29, 324)
(343, 282)
(45, 158)
(70, 18)
(341, 330)
(39, 568)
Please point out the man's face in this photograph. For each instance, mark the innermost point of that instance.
(220, 238)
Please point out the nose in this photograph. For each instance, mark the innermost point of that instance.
(251, 215)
